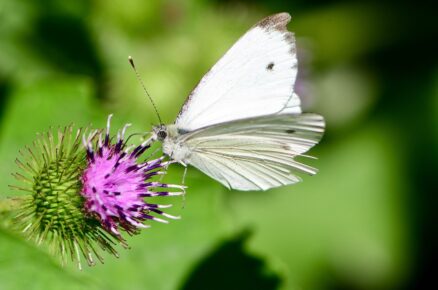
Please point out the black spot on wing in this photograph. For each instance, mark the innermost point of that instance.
(270, 66)
(290, 131)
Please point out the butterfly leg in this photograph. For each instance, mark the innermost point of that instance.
(183, 183)
(184, 175)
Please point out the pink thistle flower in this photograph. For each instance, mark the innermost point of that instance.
(115, 183)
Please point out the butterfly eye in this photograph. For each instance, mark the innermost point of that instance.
(162, 135)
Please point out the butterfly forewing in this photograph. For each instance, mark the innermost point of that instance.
(254, 78)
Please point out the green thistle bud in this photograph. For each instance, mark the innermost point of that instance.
(53, 212)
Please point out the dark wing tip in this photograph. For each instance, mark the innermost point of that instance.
(277, 21)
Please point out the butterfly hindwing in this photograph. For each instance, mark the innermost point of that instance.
(255, 153)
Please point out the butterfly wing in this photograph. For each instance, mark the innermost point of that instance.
(254, 78)
(255, 153)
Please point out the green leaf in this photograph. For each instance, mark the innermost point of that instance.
(22, 266)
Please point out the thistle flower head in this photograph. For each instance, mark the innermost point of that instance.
(115, 183)
(81, 197)
(53, 211)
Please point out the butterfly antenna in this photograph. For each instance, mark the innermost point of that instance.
(131, 61)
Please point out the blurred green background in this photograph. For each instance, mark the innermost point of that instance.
(365, 221)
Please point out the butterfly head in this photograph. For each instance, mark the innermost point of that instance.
(160, 132)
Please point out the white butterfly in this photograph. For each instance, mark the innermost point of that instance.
(242, 125)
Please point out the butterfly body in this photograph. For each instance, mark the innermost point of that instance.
(172, 145)
(242, 125)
